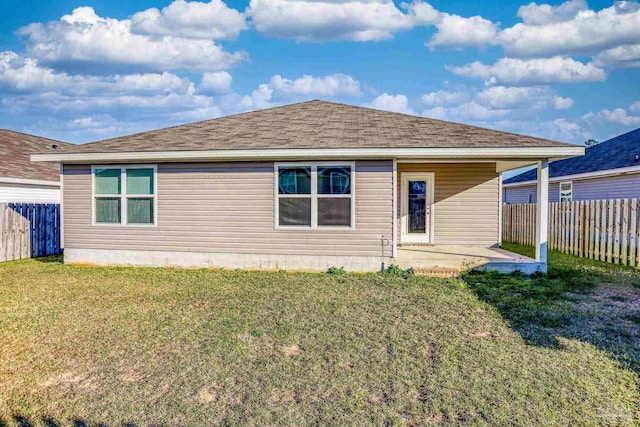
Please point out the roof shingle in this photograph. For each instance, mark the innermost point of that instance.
(313, 124)
(618, 152)
(15, 149)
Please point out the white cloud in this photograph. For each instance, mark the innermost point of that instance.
(259, 98)
(445, 97)
(396, 103)
(218, 82)
(281, 90)
(617, 115)
(567, 129)
(531, 71)
(213, 20)
(586, 32)
(627, 56)
(539, 97)
(635, 107)
(322, 20)
(327, 86)
(541, 14)
(469, 111)
(84, 38)
(456, 32)
(560, 103)
(19, 74)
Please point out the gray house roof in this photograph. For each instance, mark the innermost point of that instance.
(315, 125)
(15, 149)
(618, 152)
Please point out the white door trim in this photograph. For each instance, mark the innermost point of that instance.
(406, 237)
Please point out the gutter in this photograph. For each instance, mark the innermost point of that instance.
(434, 153)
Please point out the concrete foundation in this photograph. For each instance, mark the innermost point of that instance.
(221, 260)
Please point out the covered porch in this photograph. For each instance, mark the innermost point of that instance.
(449, 216)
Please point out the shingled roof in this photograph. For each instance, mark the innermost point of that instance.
(314, 124)
(615, 153)
(15, 151)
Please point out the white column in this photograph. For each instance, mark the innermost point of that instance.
(542, 212)
(394, 210)
(500, 202)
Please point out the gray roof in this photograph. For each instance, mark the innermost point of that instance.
(313, 124)
(15, 149)
(618, 152)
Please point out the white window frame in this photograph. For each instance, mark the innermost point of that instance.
(313, 166)
(570, 199)
(123, 195)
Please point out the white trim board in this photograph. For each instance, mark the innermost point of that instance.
(508, 153)
(579, 176)
(25, 181)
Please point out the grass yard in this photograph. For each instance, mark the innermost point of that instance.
(141, 346)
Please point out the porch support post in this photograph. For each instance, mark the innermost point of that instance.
(394, 209)
(542, 213)
(500, 202)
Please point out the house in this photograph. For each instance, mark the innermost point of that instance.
(23, 181)
(304, 186)
(609, 170)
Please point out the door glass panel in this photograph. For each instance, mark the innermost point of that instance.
(417, 206)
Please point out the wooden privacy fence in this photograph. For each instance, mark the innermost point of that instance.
(29, 230)
(606, 230)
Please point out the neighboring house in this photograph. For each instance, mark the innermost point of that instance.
(22, 180)
(608, 170)
(303, 186)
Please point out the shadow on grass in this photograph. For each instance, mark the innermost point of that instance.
(22, 421)
(57, 259)
(579, 299)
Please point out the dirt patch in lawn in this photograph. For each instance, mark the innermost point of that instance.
(292, 351)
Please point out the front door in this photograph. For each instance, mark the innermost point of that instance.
(417, 201)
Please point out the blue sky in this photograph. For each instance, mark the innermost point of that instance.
(86, 70)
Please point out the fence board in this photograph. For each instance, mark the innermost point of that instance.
(606, 230)
(29, 230)
(616, 235)
(633, 223)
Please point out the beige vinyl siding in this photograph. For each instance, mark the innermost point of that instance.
(466, 201)
(228, 208)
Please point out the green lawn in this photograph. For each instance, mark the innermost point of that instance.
(142, 346)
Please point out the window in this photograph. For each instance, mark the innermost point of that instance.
(124, 195)
(314, 195)
(566, 191)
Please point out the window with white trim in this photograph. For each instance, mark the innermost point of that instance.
(566, 191)
(315, 195)
(124, 195)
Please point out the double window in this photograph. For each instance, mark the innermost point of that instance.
(124, 195)
(566, 191)
(315, 195)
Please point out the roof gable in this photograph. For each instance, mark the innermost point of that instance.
(615, 153)
(315, 125)
(15, 151)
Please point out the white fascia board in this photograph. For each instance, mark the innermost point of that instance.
(25, 181)
(579, 176)
(304, 154)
